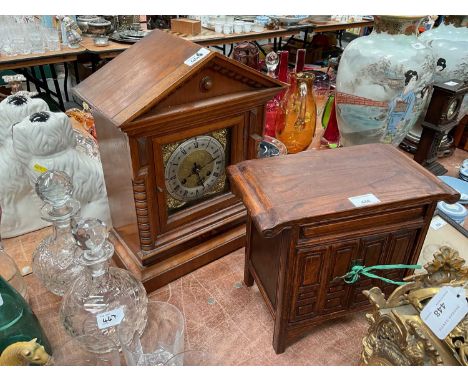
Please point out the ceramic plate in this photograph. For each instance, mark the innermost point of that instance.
(459, 185)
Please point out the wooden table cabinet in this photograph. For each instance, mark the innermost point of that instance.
(303, 232)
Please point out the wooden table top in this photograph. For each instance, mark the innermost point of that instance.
(205, 38)
(88, 44)
(210, 37)
(33, 59)
(295, 188)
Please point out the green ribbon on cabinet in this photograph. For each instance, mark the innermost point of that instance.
(357, 270)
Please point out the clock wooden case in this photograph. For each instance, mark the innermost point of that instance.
(440, 119)
(170, 116)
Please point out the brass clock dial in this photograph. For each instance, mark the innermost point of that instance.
(194, 168)
(452, 109)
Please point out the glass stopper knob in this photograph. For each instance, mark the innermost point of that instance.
(90, 234)
(271, 61)
(54, 187)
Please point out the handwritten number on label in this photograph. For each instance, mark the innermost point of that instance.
(364, 200)
(438, 312)
(110, 318)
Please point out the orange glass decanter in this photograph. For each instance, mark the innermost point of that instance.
(297, 113)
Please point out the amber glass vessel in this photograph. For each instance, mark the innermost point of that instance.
(297, 114)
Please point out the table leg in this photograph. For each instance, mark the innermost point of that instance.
(260, 48)
(306, 33)
(77, 73)
(44, 81)
(65, 82)
(30, 77)
(248, 278)
(57, 87)
(230, 50)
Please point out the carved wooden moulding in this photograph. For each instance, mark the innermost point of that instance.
(398, 336)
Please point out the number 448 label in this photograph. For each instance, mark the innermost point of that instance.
(445, 310)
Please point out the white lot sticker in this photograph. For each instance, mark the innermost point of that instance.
(437, 223)
(197, 57)
(364, 200)
(451, 83)
(445, 310)
(1, 300)
(110, 318)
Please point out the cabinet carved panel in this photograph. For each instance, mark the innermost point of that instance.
(309, 267)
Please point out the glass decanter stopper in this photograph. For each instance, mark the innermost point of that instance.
(55, 260)
(271, 62)
(9, 271)
(102, 297)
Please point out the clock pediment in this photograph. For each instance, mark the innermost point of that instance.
(160, 72)
(218, 78)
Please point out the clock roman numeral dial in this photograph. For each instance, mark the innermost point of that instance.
(194, 167)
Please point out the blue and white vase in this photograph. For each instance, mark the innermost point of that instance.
(449, 44)
(382, 81)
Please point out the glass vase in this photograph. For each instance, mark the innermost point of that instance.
(55, 260)
(297, 115)
(102, 297)
(18, 323)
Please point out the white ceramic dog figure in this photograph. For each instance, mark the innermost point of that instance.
(46, 140)
(17, 197)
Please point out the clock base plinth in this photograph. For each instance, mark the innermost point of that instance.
(157, 275)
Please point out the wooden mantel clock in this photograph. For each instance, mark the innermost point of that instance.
(441, 117)
(170, 116)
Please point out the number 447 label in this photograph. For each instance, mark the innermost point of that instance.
(445, 310)
(110, 318)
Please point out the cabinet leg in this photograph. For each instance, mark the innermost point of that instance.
(279, 338)
(248, 278)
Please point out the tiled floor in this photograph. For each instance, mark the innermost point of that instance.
(223, 317)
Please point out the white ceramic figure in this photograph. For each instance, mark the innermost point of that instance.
(17, 197)
(46, 140)
(381, 81)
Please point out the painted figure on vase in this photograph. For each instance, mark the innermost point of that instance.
(381, 82)
(400, 108)
(441, 64)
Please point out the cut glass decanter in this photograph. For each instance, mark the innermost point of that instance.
(102, 297)
(55, 260)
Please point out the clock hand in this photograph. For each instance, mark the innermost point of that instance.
(200, 180)
(206, 164)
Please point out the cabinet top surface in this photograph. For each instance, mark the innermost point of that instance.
(293, 188)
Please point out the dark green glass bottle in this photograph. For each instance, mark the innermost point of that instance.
(17, 320)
